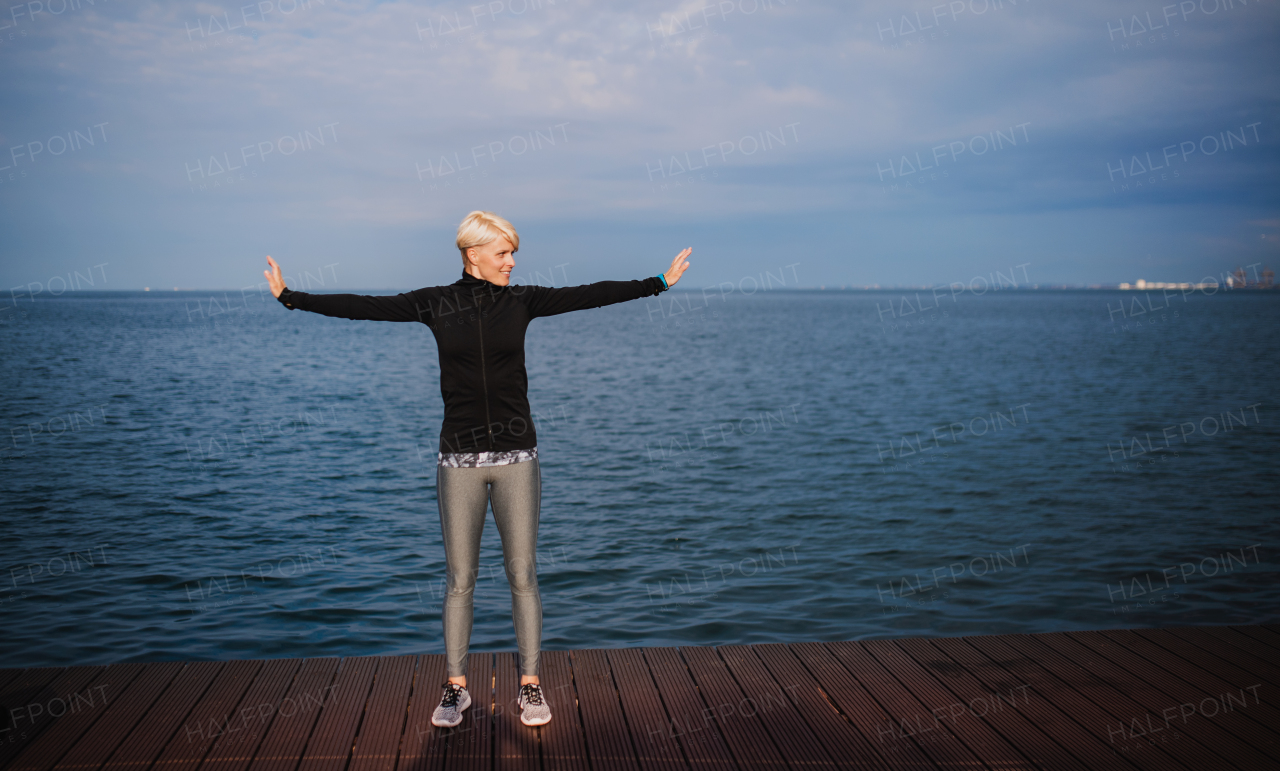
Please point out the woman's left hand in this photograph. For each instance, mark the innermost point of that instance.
(678, 265)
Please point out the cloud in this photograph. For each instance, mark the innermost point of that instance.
(433, 108)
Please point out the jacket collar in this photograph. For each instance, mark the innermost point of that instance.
(473, 284)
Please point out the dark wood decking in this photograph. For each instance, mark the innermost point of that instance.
(1187, 698)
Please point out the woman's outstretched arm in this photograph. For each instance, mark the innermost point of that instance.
(408, 306)
(550, 301)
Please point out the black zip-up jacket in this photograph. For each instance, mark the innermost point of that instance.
(479, 329)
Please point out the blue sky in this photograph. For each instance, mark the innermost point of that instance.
(175, 144)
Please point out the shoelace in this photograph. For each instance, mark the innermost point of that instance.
(531, 693)
(452, 694)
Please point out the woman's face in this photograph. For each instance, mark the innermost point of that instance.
(492, 261)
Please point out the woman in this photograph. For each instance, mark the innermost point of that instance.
(488, 446)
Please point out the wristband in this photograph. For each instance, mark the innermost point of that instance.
(663, 279)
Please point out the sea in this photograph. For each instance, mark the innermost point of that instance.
(207, 476)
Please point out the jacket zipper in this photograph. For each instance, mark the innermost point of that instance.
(484, 380)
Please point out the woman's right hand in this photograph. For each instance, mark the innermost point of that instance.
(274, 277)
(678, 265)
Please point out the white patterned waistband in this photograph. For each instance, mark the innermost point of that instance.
(481, 459)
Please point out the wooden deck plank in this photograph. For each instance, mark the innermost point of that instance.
(1211, 674)
(1168, 693)
(202, 727)
(329, 747)
(603, 724)
(1182, 699)
(292, 721)
(974, 697)
(844, 743)
(8, 675)
(54, 742)
(515, 745)
(642, 707)
(27, 685)
(860, 708)
(747, 739)
(70, 692)
(1253, 724)
(910, 716)
(1222, 659)
(101, 740)
(1144, 725)
(1068, 700)
(689, 721)
(563, 744)
(1174, 749)
(1262, 634)
(1231, 645)
(28, 679)
(963, 722)
(997, 677)
(471, 742)
(769, 698)
(378, 744)
(158, 725)
(241, 734)
(423, 745)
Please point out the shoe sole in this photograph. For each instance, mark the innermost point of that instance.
(533, 722)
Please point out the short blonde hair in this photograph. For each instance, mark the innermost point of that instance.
(481, 227)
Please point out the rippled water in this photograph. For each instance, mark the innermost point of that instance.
(188, 475)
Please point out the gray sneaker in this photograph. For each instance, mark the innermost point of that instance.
(449, 713)
(534, 709)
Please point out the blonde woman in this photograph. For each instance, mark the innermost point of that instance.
(488, 447)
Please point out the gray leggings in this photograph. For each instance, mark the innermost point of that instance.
(464, 495)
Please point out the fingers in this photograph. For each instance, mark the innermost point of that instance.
(679, 263)
(680, 257)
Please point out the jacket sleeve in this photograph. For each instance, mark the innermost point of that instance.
(551, 301)
(408, 306)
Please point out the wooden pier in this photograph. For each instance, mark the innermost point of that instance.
(1184, 698)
